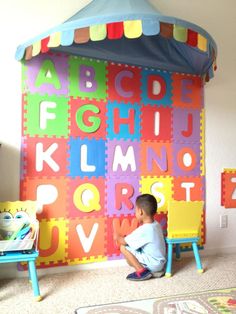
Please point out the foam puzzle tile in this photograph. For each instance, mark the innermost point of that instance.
(121, 195)
(222, 199)
(86, 237)
(123, 121)
(189, 188)
(156, 159)
(156, 123)
(88, 118)
(45, 157)
(24, 86)
(50, 192)
(46, 115)
(86, 197)
(229, 188)
(186, 159)
(161, 188)
(123, 158)
(47, 74)
(124, 83)
(122, 225)
(23, 157)
(86, 158)
(202, 140)
(187, 91)
(202, 240)
(52, 241)
(186, 125)
(86, 260)
(87, 78)
(229, 170)
(156, 88)
(50, 264)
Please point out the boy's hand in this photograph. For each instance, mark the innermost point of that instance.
(119, 239)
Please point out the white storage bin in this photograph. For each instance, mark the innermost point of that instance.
(18, 234)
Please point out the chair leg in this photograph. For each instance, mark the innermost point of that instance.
(29, 274)
(197, 257)
(34, 279)
(177, 251)
(169, 260)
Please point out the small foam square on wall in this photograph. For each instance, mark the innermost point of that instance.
(228, 188)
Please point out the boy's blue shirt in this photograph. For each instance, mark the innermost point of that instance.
(149, 240)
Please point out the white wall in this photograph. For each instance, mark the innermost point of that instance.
(219, 19)
(22, 20)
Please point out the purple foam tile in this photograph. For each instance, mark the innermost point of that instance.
(123, 158)
(184, 166)
(186, 125)
(56, 67)
(121, 195)
(115, 257)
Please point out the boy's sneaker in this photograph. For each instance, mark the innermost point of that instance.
(144, 275)
(158, 274)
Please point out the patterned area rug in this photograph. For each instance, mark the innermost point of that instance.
(208, 302)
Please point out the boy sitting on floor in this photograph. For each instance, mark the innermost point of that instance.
(144, 248)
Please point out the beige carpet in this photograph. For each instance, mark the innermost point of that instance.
(64, 293)
(211, 301)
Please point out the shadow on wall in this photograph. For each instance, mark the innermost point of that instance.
(9, 172)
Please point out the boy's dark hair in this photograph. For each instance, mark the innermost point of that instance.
(148, 203)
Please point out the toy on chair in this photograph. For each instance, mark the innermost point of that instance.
(18, 236)
(184, 221)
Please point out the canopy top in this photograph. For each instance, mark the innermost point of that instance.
(129, 31)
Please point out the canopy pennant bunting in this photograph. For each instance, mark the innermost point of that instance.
(142, 35)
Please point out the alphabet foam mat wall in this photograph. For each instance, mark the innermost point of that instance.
(95, 134)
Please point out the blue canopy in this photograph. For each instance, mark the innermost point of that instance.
(133, 32)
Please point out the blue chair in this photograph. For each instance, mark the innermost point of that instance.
(184, 223)
(29, 257)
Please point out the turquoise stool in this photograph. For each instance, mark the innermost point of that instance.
(177, 242)
(29, 257)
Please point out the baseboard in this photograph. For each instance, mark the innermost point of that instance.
(10, 270)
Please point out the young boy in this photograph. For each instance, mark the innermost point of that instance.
(144, 248)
